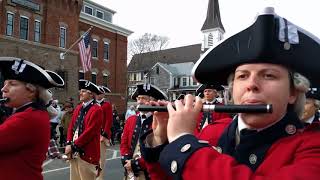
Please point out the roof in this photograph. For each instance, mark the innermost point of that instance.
(145, 61)
(213, 19)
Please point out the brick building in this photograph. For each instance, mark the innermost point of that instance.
(39, 30)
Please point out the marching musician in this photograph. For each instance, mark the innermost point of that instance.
(83, 139)
(25, 135)
(208, 93)
(310, 114)
(135, 126)
(270, 62)
(105, 126)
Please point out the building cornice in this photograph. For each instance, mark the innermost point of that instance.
(100, 23)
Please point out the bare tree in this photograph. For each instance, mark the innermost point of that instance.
(147, 43)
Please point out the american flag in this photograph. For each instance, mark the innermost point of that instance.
(85, 52)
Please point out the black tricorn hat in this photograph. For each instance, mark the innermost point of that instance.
(270, 39)
(149, 90)
(104, 89)
(85, 84)
(313, 93)
(202, 87)
(26, 71)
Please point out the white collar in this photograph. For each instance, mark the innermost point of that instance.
(100, 101)
(243, 125)
(15, 109)
(309, 121)
(85, 104)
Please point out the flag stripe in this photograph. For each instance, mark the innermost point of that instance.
(85, 52)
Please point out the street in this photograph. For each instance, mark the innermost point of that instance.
(59, 170)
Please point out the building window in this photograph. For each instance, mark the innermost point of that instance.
(108, 17)
(94, 78)
(134, 76)
(210, 40)
(157, 69)
(63, 37)
(95, 48)
(153, 80)
(106, 51)
(9, 30)
(184, 81)
(37, 31)
(88, 10)
(81, 75)
(99, 14)
(194, 83)
(105, 80)
(24, 26)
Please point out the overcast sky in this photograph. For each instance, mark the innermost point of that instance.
(181, 20)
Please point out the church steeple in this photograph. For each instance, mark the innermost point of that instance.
(212, 28)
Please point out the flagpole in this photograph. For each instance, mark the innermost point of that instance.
(64, 53)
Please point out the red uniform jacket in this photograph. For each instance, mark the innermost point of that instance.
(131, 132)
(294, 154)
(107, 119)
(24, 141)
(89, 140)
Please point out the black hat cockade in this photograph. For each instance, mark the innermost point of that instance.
(270, 39)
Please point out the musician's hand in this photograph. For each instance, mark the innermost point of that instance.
(183, 119)
(128, 165)
(159, 125)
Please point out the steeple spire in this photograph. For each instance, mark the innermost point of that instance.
(213, 19)
(212, 28)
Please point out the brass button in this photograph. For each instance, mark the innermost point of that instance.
(185, 148)
(174, 166)
(291, 129)
(253, 159)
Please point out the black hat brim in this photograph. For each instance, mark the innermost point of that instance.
(105, 89)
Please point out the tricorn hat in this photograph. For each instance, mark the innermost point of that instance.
(105, 89)
(202, 87)
(26, 71)
(85, 84)
(270, 39)
(149, 90)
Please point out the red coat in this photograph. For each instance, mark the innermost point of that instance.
(107, 119)
(292, 156)
(89, 140)
(131, 132)
(215, 116)
(24, 141)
